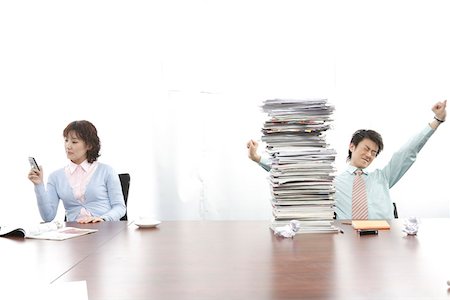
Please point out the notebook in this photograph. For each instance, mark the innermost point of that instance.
(370, 224)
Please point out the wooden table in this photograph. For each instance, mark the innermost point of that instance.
(244, 260)
(26, 260)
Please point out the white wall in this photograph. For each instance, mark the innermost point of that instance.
(174, 88)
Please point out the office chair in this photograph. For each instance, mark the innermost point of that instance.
(125, 182)
(395, 210)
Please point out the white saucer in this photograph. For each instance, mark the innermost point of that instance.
(147, 223)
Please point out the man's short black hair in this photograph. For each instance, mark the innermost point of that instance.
(361, 134)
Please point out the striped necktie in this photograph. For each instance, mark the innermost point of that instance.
(359, 197)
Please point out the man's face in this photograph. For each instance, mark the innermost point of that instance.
(363, 154)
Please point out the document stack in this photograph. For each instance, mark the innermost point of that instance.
(302, 172)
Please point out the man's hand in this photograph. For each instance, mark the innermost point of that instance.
(252, 151)
(439, 110)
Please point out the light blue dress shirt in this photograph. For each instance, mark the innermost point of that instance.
(103, 196)
(377, 182)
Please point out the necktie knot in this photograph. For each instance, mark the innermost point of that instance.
(358, 172)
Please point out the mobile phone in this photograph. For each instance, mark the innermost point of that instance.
(33, 163)
(367, 231)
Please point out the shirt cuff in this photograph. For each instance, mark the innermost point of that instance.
(266, 163)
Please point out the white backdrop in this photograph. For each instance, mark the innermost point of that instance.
(174, 88)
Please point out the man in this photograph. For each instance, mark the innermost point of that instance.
(364, 147)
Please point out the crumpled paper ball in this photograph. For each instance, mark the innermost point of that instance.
(411, 226)
(289, 230)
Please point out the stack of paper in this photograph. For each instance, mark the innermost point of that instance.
(302, 172)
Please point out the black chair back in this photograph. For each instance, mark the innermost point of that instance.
(395, 210)
(125, 182)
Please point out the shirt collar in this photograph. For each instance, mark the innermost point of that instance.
(84, 165)
(351, 169)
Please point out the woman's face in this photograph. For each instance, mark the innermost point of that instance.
(76, 149)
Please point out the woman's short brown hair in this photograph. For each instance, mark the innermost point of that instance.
(86, 132)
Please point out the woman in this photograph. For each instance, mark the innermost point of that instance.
(90, 191)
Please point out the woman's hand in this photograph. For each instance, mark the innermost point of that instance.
(90, 220)
(36, 176)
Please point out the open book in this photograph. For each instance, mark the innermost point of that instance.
(46, 231)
